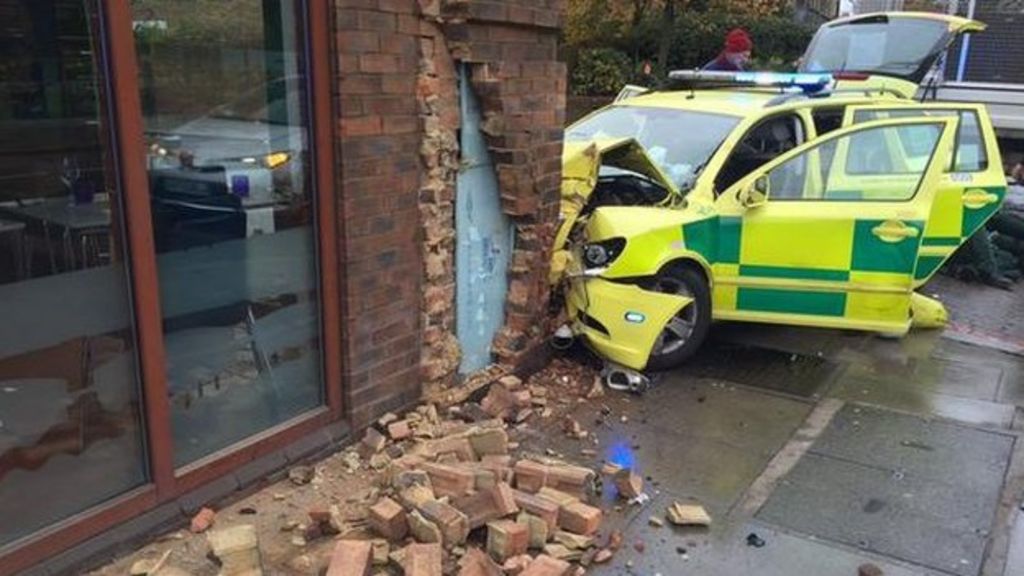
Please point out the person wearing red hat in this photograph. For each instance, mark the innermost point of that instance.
(736, 55)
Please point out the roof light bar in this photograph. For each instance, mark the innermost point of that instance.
(809, 83)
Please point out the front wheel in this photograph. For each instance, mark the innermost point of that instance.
(686, 331)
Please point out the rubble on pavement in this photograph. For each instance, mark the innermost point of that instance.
(443, 491)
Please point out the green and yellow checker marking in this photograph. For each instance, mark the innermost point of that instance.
(951, 223)
(813, 269)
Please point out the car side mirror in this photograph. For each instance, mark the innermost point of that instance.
(756, 193)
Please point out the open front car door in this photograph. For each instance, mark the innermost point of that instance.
(832, 230)
(971, 187)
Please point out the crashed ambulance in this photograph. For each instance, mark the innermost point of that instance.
(822, 198)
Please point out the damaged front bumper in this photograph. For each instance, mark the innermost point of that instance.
(621, 322)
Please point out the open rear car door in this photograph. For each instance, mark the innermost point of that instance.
(971, 188)
(896, 51)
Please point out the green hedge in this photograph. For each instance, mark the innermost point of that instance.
(599, 72)
(696, 38)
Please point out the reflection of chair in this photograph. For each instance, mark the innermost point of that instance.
(15, 231)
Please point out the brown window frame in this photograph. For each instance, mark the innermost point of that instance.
(126, 126)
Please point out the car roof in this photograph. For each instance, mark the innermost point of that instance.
(730, 102)
(744, 102)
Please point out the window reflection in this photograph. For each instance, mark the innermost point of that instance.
(223, 94)
(70, 433)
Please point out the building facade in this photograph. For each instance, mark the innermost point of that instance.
(234, 232)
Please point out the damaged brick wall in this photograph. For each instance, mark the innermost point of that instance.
(511, 50)
(379, 137)
(399, 109)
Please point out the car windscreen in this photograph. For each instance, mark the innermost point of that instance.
(900, 47)
(680, 142)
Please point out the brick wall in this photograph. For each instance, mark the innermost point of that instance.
(398, 123)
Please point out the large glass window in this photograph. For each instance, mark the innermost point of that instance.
(224, 101)
(868, 165)
(70, 425)
(970, 154)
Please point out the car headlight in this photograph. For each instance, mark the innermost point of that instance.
(602, 254)
(276, 159)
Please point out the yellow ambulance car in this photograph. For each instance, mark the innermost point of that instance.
(822, 198)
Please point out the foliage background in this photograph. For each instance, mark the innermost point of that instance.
(607, 42)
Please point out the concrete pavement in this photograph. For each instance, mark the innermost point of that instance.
(837, 449)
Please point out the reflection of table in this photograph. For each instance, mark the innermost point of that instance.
(76, 222)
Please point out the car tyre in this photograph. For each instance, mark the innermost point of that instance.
(688, 329)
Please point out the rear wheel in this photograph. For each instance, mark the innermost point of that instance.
(686, 331)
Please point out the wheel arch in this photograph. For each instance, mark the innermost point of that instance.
(692, 262)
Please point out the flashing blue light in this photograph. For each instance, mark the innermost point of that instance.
(621, 454)
(809, 83)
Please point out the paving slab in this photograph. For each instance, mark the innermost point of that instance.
(914, 489)
(908, 397)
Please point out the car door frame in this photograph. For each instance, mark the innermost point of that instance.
(859, 290)
(966, 199)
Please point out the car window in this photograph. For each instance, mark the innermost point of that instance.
(763, 143)
(970, 154)
(835, 170)
(827, 119)
(883, 45)
(679, 141)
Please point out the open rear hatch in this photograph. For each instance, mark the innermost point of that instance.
(897, 50)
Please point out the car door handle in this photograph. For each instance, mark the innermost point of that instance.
(975, 199)
(893, 231)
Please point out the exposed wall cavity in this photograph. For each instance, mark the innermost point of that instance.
(511, 50)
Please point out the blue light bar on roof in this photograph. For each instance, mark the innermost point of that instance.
(810, 83)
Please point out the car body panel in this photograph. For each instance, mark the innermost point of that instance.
(965, 198)
(620, 321)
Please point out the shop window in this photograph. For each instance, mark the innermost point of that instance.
(70, 424)
(224, 102)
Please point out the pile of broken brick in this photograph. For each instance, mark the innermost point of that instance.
(461, 503)
(454, 499)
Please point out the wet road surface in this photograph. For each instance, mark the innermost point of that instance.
(834, 448)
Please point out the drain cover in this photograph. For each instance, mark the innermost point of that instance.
(921, 491)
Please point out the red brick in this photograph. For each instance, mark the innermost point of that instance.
(574, 480)
(358, 41)
(361, 126)
(422, 560)
(543, 508)
(388, 519)
(487, 505)
(579, 518)
(202, 521)
(378, 63)
(530, 476)
(401, 124)
(629, 484)
(454, 525)
(462, 448)
(506, 539)
(476, 563)
(351, 558)
(399, 430)
(545, 565)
